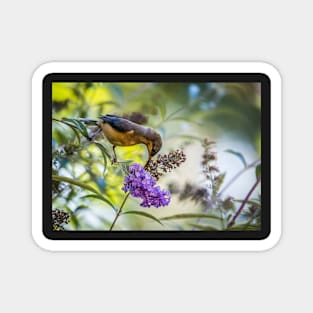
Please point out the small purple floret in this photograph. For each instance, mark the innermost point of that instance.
(141, 184)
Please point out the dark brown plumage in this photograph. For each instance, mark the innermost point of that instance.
(123, 132)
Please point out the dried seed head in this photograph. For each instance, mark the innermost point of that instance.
(228, 203)
(207, 143)
(165, 163)
(213, 169)
(59, 218)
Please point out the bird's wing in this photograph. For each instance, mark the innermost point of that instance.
(118, 123)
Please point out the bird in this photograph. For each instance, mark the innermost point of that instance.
(123, 132)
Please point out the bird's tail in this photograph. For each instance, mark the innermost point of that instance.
(88, 121)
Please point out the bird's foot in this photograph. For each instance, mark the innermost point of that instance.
(114, 161)
(93, 135)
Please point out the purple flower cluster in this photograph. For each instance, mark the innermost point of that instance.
(141, 184)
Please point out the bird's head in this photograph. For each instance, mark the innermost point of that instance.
(156, 144)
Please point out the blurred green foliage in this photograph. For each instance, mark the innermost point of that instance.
(184, 114)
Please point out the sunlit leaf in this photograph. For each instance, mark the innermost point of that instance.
(105, 155)
(162, 108)
(80, 208)
(82, 128)
(245, 227)
(125, 161)
(258, 171)
(78, 124)
(110, 102)
(170, 116)
(102, 198)
(239, 155)
(74, 221)
(143, 214)
(188, 137)
(251, 202)
(73, 128)
(74, 182)
(190, 215)
(203, 227)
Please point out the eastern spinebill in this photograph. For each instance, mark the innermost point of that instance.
(122, 132)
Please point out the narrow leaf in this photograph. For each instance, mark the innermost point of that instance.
(143, 214)
(251, 202)
(74, 182)
(81, 127)
(125, 161)
(239, 155)
(188, 137)
(175, 112)
(73, 128)
(78, 124)
(258, 171)
(111, 102)
(245, 227)
(203, 227)
(105, 155)
(102, 198)
(189, 215)
(162, 108)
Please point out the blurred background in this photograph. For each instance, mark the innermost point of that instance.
(184, 114)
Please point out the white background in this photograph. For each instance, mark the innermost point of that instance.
(33, 32)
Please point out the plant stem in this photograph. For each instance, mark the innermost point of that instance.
(232, 222)
(237, 176)
(119, 212)
(75, 182)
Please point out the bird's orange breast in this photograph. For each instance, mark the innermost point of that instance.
(119, 138)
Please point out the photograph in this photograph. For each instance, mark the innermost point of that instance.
(156, 156)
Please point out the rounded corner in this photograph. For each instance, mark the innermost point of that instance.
(270, 71)
(41, 241)
(271, 241)
(42, 71)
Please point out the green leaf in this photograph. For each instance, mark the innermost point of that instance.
(203, 227)
(82, 128)
(245, 227)
(74, 221)
(258, 171)
(162, 108)
(189, 215)
(105, 155)
(76, 134)
(143, 214)
(74, 182)
(110, 102)
(251, 202)
(239, 155)
(79, 125)
(188, 137)
(125, 161)
(73, 128)
(170, 116)
(102, 198)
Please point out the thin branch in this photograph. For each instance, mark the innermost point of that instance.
(119, 212)
(233, 220)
